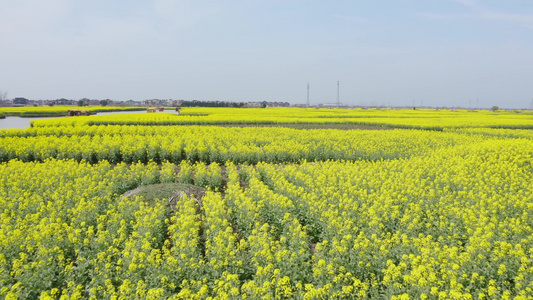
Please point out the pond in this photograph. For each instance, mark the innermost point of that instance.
(18, 122)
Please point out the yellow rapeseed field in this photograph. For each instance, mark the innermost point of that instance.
(287, 213)
(389, 118)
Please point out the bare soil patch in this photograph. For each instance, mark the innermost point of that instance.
(165, 190)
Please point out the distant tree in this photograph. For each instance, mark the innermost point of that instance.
(80, 102)
(3, 95)
(103, 102)
(198, 103)
(494, 108)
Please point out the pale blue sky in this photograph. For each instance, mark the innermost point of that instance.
(439, 53)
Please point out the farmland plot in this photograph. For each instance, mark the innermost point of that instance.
(383, 214)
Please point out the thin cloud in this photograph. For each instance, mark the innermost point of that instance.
(184, 13)
(481, 13)
(468, 3)
(522, 19)
(350, 18)
(109, 31)
(445, 17)
(31, 16)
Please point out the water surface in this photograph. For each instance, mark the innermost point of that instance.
(18, 122)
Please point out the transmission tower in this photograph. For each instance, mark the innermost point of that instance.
(308, 94)
(338, 95)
